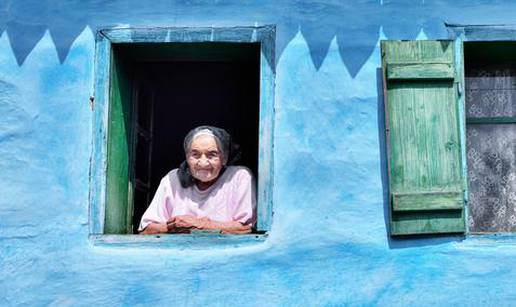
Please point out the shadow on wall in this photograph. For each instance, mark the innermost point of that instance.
(408, 241)
(354, 24)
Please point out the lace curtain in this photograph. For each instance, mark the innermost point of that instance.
(491, 149)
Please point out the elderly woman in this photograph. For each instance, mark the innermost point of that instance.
(205, 192)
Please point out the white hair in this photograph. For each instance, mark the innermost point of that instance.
(203, 132)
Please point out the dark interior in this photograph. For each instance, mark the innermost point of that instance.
(190, 94)
(180, 86)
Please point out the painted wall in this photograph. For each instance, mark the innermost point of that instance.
(329, 243)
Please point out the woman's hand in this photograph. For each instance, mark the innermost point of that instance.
(154, 228)
(237, 229)
(232, 227)
(185, 223)
(178, 224)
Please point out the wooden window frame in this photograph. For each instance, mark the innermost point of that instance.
(105, 38)
(477, 33)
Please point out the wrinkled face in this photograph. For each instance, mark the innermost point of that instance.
(204, 158)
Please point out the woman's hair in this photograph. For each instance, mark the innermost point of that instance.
(229, 150)
(222, 138)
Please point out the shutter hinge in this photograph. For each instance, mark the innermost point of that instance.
(459, 88)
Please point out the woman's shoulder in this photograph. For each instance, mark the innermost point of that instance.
(171, 178)
(172, 172)
(237, 172)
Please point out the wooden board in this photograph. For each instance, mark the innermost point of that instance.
(118, 214)
(423, 137)
(434, 71)
(422, 201)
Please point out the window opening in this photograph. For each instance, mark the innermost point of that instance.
(158, 93)
(490, 80)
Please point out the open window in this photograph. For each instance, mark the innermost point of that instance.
(153, 86)
(158, 93)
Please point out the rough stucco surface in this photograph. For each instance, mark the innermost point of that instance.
(328, 245)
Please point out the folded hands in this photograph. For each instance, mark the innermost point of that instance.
(187, 223)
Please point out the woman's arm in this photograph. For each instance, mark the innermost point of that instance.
(233, 227)
(154, 228)
(244, 198)
(174, 225)
(185, 223)
(155, 216)
(204, 223)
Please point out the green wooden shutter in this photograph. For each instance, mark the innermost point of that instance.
(423, 137)
(118, 217)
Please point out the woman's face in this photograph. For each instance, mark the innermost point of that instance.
(204, 158)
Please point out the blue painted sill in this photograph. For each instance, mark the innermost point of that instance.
(199, 240)
(495, 238)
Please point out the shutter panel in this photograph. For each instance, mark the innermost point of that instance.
(423, 137)
(118, 189)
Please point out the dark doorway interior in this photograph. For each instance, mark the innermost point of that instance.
(179, 87)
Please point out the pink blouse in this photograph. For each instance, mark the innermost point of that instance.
(231, 198)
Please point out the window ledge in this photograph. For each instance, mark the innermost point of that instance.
(178, 241)
(490, 239)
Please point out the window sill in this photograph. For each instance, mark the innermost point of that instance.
(200, 240)
(489, 239)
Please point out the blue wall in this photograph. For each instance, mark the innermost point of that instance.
(329, 243)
